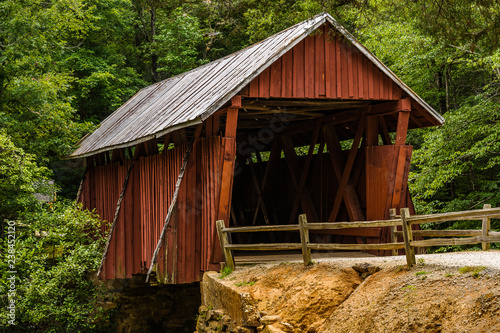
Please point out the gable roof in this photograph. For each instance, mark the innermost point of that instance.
(190, 98)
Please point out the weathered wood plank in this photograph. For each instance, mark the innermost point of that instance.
(280, 227)
(447, 233)
(358, 247)
(298, 70)
(486, 225)
(408, 237)
(304, 239)
(345, 225)
(309, 56)
(453, 216)
(456, 241)
(265, 247)
(224, 242)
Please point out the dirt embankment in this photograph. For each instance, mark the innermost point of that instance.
(328, 298)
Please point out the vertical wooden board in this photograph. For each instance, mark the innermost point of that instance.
(209, 126)
(378, 173)
(169, 238)
(376, 82)
(199, 212)
(328, 63)
(111, 189)
(275, 80)
(138, 210)
(359, 68)
(320, 70)
(366, 79)
(160, 213)
(338, 65)
(371, 88)
(350, 72)
(355, 55)
(264, 83)
(382, 85)
(128, 210)
(210, 207)
(191, 217)
(344, 58)
(181, 230)
(287, 74)
(120, 225)
(401, 175)
(397, 93)
(203, 199)
(136, 221)
(218, 163)
(333, 66)
(309, 68)
(298, 70)
(387, 86)
(254, 87)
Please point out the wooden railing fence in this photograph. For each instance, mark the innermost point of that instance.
(484, 235)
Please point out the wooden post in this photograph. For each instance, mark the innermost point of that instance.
(228, 255)
(486, 228)
(407, 235)
(304, 239)
(392, 214)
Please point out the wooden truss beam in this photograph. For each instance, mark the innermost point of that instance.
(303, 176)
(294, 168)
(347, 171)
(337, 159)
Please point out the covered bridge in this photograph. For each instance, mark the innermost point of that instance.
(301, 122)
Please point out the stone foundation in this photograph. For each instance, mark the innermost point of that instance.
(135, 306)
(215, 321)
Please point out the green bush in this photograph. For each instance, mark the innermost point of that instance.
(58, 251)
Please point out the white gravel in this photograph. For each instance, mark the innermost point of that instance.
(489, 259)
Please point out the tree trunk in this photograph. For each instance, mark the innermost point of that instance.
(154, 55)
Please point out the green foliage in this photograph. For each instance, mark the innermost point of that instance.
(474, 269)
(58, 250)
(20, 178)
(177, 42)
(457, 165)
(225, 272)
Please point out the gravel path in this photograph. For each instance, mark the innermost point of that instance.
(489, 259)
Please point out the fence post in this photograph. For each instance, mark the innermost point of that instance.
(486, 228)
(408, 237)
(304, 239)
(228, 255)
(393, 228)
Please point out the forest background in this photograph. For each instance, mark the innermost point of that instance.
(67, 64)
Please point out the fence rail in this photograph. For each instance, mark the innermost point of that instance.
(483, 236)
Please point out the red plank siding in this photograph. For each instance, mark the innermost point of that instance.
(323, 65)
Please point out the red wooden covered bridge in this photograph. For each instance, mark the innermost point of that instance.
(306, 121)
